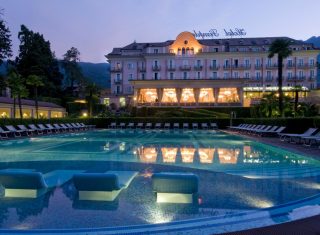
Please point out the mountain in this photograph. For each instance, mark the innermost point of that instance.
(315, 40)
(99, 73)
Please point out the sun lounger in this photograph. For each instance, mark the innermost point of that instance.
(4, 134)
(66, 127)
(195, 126)
(185, 126)
(149, 125)
(309, 140)
(30, 184)
(213, 125)
(139, 125)
(295, 138)
(78, 127)
(86, 126)
(167, 125)
(102, 186)
(131, 125)
(37, 129)
(28, 131)
(176, 125)
(56, 130)
(113, 125)
(48, 130)
(16, 133)
(158, 125)
(204, 126)
(72, 128)
(174, 187)
(122, 125)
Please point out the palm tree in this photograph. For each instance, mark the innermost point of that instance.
(296, 90)
(18, 90)
(268, 104)
(281, 47)
(35, 81)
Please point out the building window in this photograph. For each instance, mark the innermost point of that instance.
(311, 73)
(258, 62)
(130, 66)
(269, 62)
(155, 76)
(300, 62)
(214, 75)
(170, 64)
(268, 75)
(130, 76)
(169, 95)
(198, 75)
(214, 63)
(290, 63)
(301, 74)
(187, 95)
(143, 76)
(226, 63)
(228, 95)
(118, 76)
(258, 75)
(185, 75)
(247, 63)
(148, 96)
(206, 95)
(198, 63)
(106, 101)
(311, 62)
(122, 101)
(236, 74)
(118, 89)
(171, 76)
(155, 51)
(247, 75)
(226, 75)
(289, 74)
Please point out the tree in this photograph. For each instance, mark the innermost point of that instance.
(296, 90)
(18, 90)
(281, 47)
(35, 81)
(5, 42)
(36, 58)
(92, 96)
(268, 104)
(70, 64)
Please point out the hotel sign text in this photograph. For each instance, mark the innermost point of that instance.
(213, 33)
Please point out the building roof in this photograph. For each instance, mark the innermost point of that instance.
(258, 41)
(8, 100)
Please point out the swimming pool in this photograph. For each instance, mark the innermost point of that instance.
(239, 179)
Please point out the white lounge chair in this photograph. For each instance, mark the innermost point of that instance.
(195, 126)
(176, 125)
(149, 125)
(204, 126)
(37, 129)
(102, 186)
(122, 125)
(297, 137)
(139, 125)
(30, 184)
(167, 125)
(4, 134)
(185, 126)
(113, 125)
(48, 130)
(131, 125)
(66, 127)
(158, 125)
(309, 140)
(28, 131)
(213, 125)
(56, 130)
(16, 133)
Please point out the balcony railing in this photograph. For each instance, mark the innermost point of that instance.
(306, 66)
(117, 81)
(258, 66)
(141, 69)
(116, 69)
(214, 67)
(241, 66)
(290, 66)
(185, 67)
(171, 68)
(296, 78)
(198, 67)
(226, 66)
(271, 66)
(156, 67)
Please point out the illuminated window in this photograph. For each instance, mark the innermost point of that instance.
(206, 155)
(169, 154)
(228, 95)
(169, 95)
(147, 154)
(206, 95)
(187, 154)
(122, 101)
(187, 96)
(106, 101)
(148, 96)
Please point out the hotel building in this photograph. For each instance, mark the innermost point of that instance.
(208, 72)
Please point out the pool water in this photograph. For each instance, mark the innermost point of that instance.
(236, 175)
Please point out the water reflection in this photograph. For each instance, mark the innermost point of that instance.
(169, 154)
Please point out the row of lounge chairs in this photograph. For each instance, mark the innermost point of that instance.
(159, 125)
(308, 138)
(40, 129)
(169, 187)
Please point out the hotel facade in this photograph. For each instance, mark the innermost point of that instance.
(187, 72)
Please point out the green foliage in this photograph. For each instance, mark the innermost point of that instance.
(5, 42)
(36, 58)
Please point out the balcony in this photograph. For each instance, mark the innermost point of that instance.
(311, 78)
(258, 66)
(290, 66)
(117, 81)
(116, 69)
(306, 66)
(171, 68)
(271, 66)
(268, 79)
(185, 67)
(241, 66)
(214, 67)
(156, 68)
(142, 69)
(298, 78)
(226, 67)
(198, 67)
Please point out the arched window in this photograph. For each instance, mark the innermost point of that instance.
(179, 51)
(183, 51)
(192, 51)
(188, 51)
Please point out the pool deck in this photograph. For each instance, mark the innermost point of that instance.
(300, 227)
